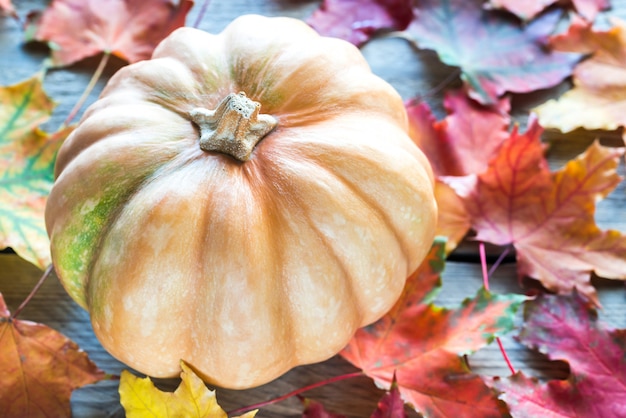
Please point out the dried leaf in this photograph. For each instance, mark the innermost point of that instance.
(40, 368)
(421, 344)
(140, 398)
(129, 29)
(495, 54)
(566, 328)
(27, 157)
(598, 99)
(356, 21)
(549, 217)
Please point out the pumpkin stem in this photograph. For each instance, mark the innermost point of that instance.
(234, 127)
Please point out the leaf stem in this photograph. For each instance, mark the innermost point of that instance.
(201, 13)
(296, 392)
(92, 83)
(499, 261)
(507, 360)
(32, 293)
(483, 265)
(486, 274)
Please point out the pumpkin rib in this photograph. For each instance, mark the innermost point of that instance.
(113, 219)
(151, 360)
(257, 179)
(281, 204)
(376, 207)
(363, 305)
(246, 175)
(325, 150)
(295, 193)
(356, 302)
(112, 117)
(98, 174)
(285, 203)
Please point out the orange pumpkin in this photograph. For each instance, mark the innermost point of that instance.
(242, 201)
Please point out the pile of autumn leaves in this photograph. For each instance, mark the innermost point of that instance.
(491, 180)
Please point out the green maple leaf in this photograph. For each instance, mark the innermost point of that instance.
(27, 157)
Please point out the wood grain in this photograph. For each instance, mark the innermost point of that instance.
(411, 72)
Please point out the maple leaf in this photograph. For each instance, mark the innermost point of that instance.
(566, 328)
(598, 98)
(463, 142)
(457, 146)
(495, 54)
(128, 29)
(549, 217)
(356, 21)
(421, 345)
(528, 9)
(140, 398)
(27, 157)
(40, 369)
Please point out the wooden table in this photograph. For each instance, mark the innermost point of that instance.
(411, 72)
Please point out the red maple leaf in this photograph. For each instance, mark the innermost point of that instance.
(129, 29)
(495, 54)
(566, 328)
(463, 142)
(356, 21)
(549, 217)
(421, 345)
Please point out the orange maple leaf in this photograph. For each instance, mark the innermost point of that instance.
(598, 98)
(549, 217)
(40, 368)
(131, 29)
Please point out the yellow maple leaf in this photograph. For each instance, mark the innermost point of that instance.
(192, 399)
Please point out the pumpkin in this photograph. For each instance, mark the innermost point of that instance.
(242, 201)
